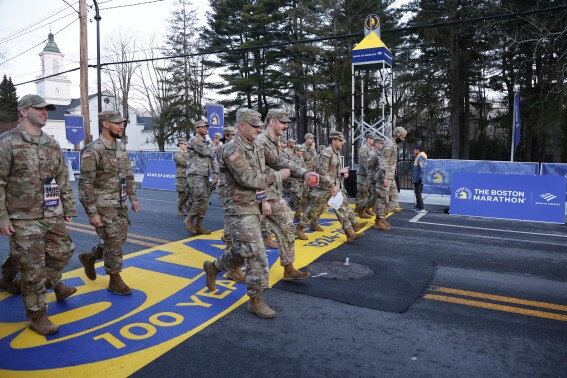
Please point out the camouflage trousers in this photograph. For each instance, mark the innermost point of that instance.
(299, 195)
(318, 204)
(247, 248)
(386, 198)
(224, 202)
(182, 195)
(362, 189)
(113, 234)
(265, 229)
(281, 222)
(9, 271)
(39, 249)
(199, 192)
(371, 201)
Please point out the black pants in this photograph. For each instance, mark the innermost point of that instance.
(418, 188)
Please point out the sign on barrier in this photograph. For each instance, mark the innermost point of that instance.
(519, 197)
(75, 158)
(554, 169)
(160, 174)
(439, 173)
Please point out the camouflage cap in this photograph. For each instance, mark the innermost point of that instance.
(299, 147)
(290, 140)
(113, 116)
(309, 135)
(34, 101)
(371, 136)
(279, 114)
(228, 130)
(181, 141)
(379, 140)
(400, 131)
(201, 123)
(337, 135)
(249, 116)
(217, 135)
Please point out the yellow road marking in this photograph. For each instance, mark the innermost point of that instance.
(497, 307)
(143, 237)
(134, 241)
(499, 298)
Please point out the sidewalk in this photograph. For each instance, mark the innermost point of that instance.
(408, 196)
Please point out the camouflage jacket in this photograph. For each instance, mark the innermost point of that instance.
(363, 160)
(106, 176)
(310, 158)
(328, 167)
(202, 160)
(297, 185)
(180, 159)
(222, 167)
(27, 171)
(372, 165)
(388, 160)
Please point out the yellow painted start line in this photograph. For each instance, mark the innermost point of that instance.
(463, 297)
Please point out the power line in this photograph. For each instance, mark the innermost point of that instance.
(132, 5)
(31, 30)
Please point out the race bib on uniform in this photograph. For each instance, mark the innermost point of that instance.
(123, 194)
(260, 195)
(51, 193)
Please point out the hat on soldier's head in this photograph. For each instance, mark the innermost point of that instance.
(379, 140)
(336, 135)
(201, 123)
(34, 101)
(290, 140)
(309, 135)
(113, 116)
(299, 147)
(181, 141)
(400, 131)
(249, 116)
(371, 136)
(217, 135)
(228, 130)
(279, 114)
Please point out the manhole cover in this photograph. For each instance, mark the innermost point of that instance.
(338, 270)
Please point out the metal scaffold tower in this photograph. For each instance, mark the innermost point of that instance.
(371, 54)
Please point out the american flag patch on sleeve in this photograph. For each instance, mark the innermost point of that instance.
(233, 156)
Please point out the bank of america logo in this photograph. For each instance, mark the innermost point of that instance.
(548, 196)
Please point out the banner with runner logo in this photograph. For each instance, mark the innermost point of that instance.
(519, 197)
(159, 174)
(74, 130)
(215, 119)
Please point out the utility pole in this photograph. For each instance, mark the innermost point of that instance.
(84, 65)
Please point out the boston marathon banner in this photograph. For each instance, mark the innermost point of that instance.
(519, 197)
(439, 173)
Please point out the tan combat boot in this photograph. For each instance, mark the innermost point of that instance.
(63, 291)
(297, 215)
(299, 234)
(236, 275)
(269, 243)
(88, 261)
(200, 229)
(42, 325)
(290, 273)
(352, 236)
(360, 210)
(382, 225)
(359, 226)
(181, 213)
(258, 307)
(117, 286)
(211, 271)
(370, 211)
(189, 225)
(314, 226)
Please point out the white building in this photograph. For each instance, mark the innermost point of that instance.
(57, 90)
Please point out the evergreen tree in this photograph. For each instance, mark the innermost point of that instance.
(8, 101)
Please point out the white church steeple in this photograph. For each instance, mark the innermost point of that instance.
(56, 89)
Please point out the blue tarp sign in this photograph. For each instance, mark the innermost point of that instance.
(138, 160)
(215, 118)
(519, 197)
(159, 174)
(554, 169)
(74, 130)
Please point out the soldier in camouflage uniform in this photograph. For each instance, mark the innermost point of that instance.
(35, 202)
(332, 174)
(310, 154)
(246, 183)
(105, 184)
(181, 159)
(200, 163)
(298, 189)
(289, 152)
(362, 178)
(386, 189)
(373, 170)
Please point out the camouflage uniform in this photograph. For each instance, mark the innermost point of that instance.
(362, 176)
(328, 167)
(198, 169)
(298, 188)
(222, 181)
(310, 157)
(181, 159)
(35, 196)
(387, 197)
(372, 166)
(105, 184)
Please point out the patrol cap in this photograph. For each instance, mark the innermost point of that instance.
(291, 140)
(299, 147)
(336, 135)
(400, 131)
(249, 116)
(228, 130)
(309, 135)
(279, 114)
(217, 135)
(201, 123)
(371, 136)
(34, 101)
(181, 141)
(379, 140)
(113, 116)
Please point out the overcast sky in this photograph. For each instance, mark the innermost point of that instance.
(32, 20)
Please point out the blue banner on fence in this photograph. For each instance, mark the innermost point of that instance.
(439, 173)
(520, 197)
(138, 160)
(215, 118)
(160, 174)
(554, 169)
(74, 131)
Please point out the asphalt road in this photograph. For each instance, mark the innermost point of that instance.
(496, 305)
